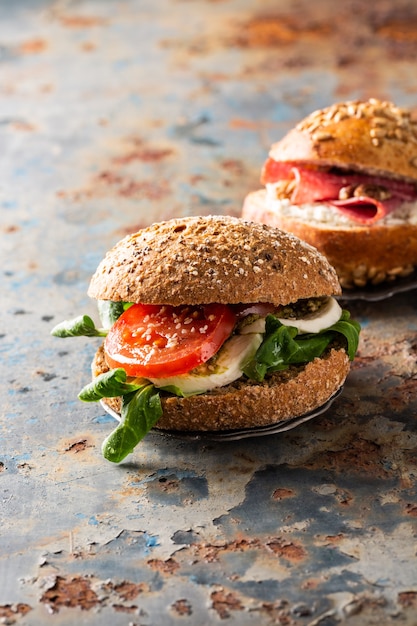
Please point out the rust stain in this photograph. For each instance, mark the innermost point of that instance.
(278, 612)
(237, 123)
(128, 590)
(359, 456)
(79, 592)
(151, 190)
(70, 591)
(33, 46)
(224, 602)
(408, 599)
(233, 166)
(78, 446)
(196, 178)
(108, 182)
(12, 228)
(145, 154)
(88, 46)
(22, 126)
(275, 30)
(211, 552)
(411, 509)
(169, 485)
(113, 179)
(120, 608)
(404, 393)
(286, 549)
(335, 539)
(281, 493)
(182, 607)
(278, 546)
(169, 566)
(8, 612)
(311, 583)
(80, 21)
(24, 468)
(400, 30)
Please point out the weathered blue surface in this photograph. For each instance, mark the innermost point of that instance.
(116, 114)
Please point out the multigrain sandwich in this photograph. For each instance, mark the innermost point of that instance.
(345, 180)
(213, 324)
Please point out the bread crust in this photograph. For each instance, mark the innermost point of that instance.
(199, 260)
(360, 254)
(248, 404)
(371, 136)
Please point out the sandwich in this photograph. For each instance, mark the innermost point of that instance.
(212, 324)
(345, 180)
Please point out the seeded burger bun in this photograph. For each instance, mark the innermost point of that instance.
(345, 180)
(226, 260)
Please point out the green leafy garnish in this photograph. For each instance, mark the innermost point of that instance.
(350, 329)
(110, 311)
(141, 409)
(80, 326)
(282, 346)
(109, 385)
(140, 412)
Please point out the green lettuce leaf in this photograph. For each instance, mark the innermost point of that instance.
(140, 412)
(282, 346)
(110, 311)
(82, 325)
(109, 385)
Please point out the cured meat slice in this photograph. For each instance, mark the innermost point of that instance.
(323, 185)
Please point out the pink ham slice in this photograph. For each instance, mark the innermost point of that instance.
(314, 185)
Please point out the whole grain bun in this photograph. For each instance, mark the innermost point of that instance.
(373, 136)
(199, 260)
(247, 404)
(361, 255)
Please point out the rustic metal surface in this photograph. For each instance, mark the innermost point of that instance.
(116, 114)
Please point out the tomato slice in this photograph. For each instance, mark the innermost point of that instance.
(161, 341)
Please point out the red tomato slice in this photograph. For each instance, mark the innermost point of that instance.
(156, 341)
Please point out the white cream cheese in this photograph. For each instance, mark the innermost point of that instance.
(324, 214)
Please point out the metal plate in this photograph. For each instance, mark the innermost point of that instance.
(383, 291)
(244, 433)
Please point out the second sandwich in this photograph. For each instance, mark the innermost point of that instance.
(344, 179)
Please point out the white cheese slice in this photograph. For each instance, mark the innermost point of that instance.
(326, 316)
(315, 322)
(234, 353)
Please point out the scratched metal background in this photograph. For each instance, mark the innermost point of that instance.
(117, 114)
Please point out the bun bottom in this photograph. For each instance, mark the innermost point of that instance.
(361, 255)
(248, 404)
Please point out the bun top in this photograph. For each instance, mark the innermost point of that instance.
(199, 260)
(374, 136)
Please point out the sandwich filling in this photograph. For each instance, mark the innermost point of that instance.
(359, 198)
(154, 350)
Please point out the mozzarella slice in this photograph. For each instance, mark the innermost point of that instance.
(235, 352)
(326, 316)
(315, 322)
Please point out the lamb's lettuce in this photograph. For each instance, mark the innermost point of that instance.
(84, 326)
(110, 312)
(110, 385)
(141, 409)
(283, 346)
(140, 412)
(81, 326)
